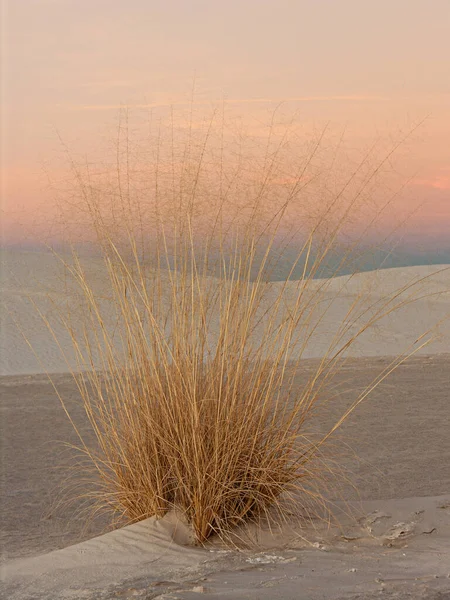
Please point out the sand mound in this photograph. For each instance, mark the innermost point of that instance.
(154, 548)
(399, 549)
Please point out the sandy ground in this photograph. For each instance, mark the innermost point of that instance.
(390, 536)
(395, 542)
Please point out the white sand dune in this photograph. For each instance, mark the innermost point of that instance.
(36, 282)
(388, 546)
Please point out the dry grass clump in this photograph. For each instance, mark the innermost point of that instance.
(187, 352)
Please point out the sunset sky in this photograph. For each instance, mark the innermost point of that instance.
(371, 68)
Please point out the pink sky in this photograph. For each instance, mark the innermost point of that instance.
(373, 69)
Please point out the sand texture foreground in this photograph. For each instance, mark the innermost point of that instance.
(394, 544)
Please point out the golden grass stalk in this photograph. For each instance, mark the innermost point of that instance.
(188, 353)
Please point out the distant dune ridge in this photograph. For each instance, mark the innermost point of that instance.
(40, 278)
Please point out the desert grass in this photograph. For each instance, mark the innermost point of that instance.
(187, 351)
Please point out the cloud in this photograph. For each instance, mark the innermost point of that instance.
(105, 107)
(440, 182)
(108, 84)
